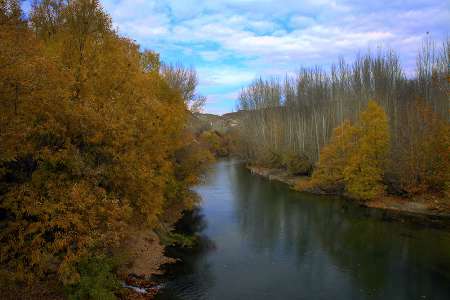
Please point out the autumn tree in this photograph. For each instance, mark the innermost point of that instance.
(296, 115)
(424, 163)
(367, 163)
(185, 80)
(355, 159)
(334, 158)
(93, 140)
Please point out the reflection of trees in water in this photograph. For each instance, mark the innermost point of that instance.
(379, 257)
(355, 245)
(383, 256)
(268, 218)
(191, 223)
(191, 277)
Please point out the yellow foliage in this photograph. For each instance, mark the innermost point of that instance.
(211, 140)
(355, 158)
(90, 139)
(334, 157)
(366, 165)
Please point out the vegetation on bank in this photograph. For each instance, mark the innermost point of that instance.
(219, 144)
(93, 144)
(96, 141)
(364, 129)
(355, 158)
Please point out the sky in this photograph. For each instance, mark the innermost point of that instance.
(232, 42)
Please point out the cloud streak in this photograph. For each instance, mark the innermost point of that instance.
(230, 42)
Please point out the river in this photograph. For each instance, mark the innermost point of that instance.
(269, 242)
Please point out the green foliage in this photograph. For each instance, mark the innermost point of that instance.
(97, 280)
(182, 240)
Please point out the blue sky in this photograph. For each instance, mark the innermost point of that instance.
(232, 42)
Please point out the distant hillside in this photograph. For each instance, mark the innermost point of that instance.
(202, 122)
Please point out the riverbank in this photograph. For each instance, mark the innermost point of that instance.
(138, 274)
(264, 238)
(152, 256)
(145, 257)
(423, 209)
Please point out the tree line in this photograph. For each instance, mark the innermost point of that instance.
(307, 123)
(93, 140)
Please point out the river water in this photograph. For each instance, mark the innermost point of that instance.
(265, 241)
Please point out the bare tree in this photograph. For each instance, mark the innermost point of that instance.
(297, 114)
(185, 80)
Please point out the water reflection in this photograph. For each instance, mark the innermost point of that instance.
(273, 243)
(191, 277)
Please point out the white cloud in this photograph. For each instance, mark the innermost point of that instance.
(258, 37)
(210, 76)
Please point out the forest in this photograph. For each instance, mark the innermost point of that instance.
(93, 145)
(363, 129)
(102, 143)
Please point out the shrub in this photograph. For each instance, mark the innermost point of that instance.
(297, 164)
(97, 280)
(423, 163)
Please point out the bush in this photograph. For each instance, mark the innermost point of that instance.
(297, 164)
(423, 164)
(268, 158)
(211, 141)
(274, 159)
(97, 280)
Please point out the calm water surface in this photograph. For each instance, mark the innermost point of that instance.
(268, 242)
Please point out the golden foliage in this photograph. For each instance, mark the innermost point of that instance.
(220, 144)
(367, 162)
(89, 138)
(334, 157)
(355, 159)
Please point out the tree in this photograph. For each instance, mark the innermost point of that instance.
(423, 164)
(356, 157)
(90, 140)
(366, 165)
(334, 158)
(184, 80)
(297, 115)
